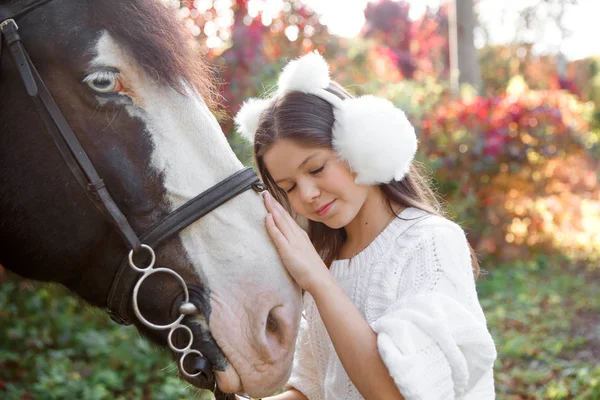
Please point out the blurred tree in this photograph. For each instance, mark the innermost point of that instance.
(419, 48)
(536, 21)
(463, 55)
(541, 18)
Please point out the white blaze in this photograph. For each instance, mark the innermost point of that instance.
(229, 247)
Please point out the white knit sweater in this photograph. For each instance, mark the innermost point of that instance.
(414, 285)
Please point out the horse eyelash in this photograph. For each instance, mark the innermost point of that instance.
(100, 75)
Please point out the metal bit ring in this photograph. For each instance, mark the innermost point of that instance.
(173, 326)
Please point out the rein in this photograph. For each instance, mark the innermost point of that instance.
(127, 280)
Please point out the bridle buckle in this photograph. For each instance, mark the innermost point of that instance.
(259, 187)
(6, 22)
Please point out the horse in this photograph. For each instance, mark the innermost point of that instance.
(109, 156)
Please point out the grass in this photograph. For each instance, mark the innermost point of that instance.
(545, 318)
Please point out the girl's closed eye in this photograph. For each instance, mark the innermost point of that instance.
(316, 171)
(313, 172)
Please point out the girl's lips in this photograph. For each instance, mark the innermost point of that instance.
(323, 210)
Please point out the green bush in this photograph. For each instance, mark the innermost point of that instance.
(53, 346)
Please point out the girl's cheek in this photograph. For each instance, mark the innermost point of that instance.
(338, 180)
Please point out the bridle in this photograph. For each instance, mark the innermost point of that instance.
(88, 178)
(126, 278)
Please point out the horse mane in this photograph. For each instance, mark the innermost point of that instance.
(151, 32)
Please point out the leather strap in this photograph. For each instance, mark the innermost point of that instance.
(119, 296)
(6, 14)
(13, 41)
(199, 206)
(27, 9)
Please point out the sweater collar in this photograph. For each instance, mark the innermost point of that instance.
(380, 245)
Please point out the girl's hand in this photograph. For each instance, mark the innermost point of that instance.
(294, 246)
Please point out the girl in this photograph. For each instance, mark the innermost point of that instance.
(390, 306)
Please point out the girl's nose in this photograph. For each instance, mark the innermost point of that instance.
(308, 192)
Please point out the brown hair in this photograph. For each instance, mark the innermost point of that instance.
(308, 120)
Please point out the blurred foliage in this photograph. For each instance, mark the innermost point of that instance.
(533, 169)
(53, 346)
(500, 63)
(248, 42)
(583, 80)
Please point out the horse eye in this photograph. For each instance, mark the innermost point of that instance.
(104, 82)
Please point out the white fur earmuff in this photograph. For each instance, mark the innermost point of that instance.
(248, 117)
(373, 136)
(305, 74)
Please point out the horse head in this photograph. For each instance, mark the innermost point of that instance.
(126, 79)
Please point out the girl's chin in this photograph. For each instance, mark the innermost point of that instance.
(335, 222)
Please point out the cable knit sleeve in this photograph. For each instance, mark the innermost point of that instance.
(433, 338)
(304, 371)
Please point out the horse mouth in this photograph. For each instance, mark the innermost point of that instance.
(204, 358)
(210, 371)
(198, 372)
(197, 369)
(206, 377)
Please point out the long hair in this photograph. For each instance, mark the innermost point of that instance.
(308, 120)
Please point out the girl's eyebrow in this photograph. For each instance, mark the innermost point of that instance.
(302, 164)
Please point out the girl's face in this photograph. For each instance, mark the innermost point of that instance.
(318, 184)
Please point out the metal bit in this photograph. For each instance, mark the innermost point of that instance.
(188, 308)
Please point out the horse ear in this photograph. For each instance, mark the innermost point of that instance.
(247, 119)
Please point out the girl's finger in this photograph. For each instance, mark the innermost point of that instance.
(280, 215)
(290, 222)
(278, 238)
(281, 223)
(268, 200)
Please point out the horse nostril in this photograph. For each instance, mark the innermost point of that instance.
(279, 328)
(272, 324)
(201, 364)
